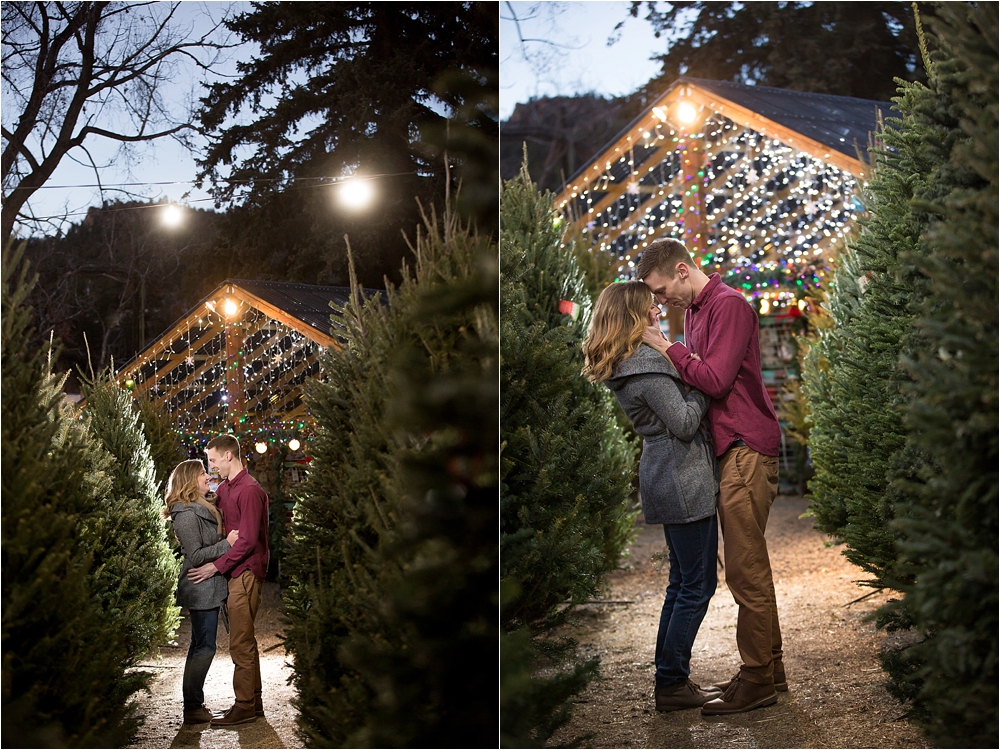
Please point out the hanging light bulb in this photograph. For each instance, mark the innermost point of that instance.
(356, 193)
(294, 444)
(261, 447)
(686, 112)
(172, 215)
(230, 307)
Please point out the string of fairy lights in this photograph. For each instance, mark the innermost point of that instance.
(233, 369)
(771, 216)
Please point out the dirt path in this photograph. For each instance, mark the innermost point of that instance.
(164, 708)
(836, 695)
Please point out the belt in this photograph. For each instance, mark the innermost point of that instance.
(738, 444)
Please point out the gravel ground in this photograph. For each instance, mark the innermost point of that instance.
(836, 696)
(164, 708)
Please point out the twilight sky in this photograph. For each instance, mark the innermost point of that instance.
(578, 60)
(584, 62)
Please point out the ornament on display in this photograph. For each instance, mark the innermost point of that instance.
(566, 307)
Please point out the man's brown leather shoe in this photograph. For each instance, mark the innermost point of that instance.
(742, 695)
(197, 716)
(780, 681)
(234, 716)
(679, 697)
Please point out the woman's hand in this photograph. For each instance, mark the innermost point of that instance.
(233, 536)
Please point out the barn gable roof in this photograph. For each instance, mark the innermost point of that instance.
(842, 123)
(239, 357)
(754, 180)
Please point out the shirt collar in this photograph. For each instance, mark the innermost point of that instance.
(713, 281)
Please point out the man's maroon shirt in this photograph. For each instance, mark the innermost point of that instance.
(722, 328)
(243, 503)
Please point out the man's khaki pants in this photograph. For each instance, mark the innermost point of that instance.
(244, 601)
(748, 485)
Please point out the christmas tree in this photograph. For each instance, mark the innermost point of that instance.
(164, 442)
(948, 519)
(439, 689)
(902, 387)
(135, 570)
(854, 379)
(64, 683)
(566, 466)
(392, 598)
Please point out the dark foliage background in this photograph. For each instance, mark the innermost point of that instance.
(339, 89)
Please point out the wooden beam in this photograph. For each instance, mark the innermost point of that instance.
(210, 361)
(177, 358)
(619, 189)
(130, 369)
(695, 228)
(298, 344)
(613, 152)
(676, 181)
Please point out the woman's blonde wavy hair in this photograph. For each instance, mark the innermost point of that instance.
(620, 317)
(182, 487)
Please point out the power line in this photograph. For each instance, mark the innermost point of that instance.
(328, 181)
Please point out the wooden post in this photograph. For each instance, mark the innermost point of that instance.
(693, 219)
(234, 371)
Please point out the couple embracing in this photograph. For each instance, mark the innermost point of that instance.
(689, 473)
(223, 535)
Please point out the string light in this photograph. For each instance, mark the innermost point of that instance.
(764, 215)
(251, 388)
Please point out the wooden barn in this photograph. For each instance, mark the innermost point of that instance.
(760, 183)
(756, 181)
(237, 361)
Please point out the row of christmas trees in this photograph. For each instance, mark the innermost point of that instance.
(88, 573)
(390, 563)
(901, 383)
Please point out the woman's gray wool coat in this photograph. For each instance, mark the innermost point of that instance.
(198, 533)
(678, 473)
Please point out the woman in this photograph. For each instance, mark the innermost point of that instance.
(199, 528)
(678, 482)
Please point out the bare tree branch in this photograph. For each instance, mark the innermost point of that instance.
(81, 70)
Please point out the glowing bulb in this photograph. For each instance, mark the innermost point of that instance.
(294, 445)
(659, 114)
(686, 112)
(261, 447)
(356, 193)
(172, 215)
(765, 306)
(230, 307)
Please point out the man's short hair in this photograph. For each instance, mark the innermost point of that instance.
(663, 256)
(224, 443)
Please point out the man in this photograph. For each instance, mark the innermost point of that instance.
(243, 503)
(721, 357)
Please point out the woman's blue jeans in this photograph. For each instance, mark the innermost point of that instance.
(204, 626)
(693, 548)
